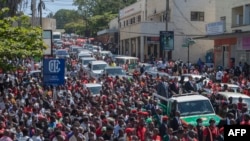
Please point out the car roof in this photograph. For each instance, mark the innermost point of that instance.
(229, 85)
(188, 97)
(98, 62)
(93, 85)
(233, 94)
(88, 58)
(126, 57)
(117, 67)
(34, 71)
(193, 75)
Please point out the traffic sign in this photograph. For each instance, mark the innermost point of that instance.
(167, 40)
(53, 71)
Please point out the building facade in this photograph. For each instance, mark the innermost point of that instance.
(141, 23)
(232, 45)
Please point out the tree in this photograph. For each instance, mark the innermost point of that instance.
(75, 27)
(12, 5)
(98, 13)
(100, 22)
(64, 16)
(18, 40)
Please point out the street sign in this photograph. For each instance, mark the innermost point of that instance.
(53, 71)
(167, 40)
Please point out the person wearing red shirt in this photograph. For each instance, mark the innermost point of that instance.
(246, 120)
(156, 135)
(240, 103)
(211, 132)
(141, 130)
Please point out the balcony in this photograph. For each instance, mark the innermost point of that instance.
(241, 16)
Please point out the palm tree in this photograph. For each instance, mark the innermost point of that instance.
(12, 5)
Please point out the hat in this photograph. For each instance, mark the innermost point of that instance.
(134, 111)
(164, 118)
(129, 130)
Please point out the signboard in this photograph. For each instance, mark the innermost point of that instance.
(215, 28)
(153, 40)
(47, 39)
(130, 10)
(53, 71)
(167, 40)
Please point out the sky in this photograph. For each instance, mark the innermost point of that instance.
(53, 6)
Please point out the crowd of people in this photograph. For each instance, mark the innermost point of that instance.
(124, 110)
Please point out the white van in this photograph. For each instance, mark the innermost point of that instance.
(83, 55)
(86, 60)
(132, 61)
(96, 68)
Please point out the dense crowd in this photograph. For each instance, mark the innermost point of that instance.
(124, 111)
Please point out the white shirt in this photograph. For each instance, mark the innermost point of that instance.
(219, 75)
(25, 138)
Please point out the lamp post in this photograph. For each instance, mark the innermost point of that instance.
(188, 42)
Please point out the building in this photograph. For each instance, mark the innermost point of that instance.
(230, 32)
(140, 25)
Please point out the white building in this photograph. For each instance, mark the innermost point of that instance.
(232, 44)
(141, 23)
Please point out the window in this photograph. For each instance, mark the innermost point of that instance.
(139, 18)
(126, 22)
(197, 16)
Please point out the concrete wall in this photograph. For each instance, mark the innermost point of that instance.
(153, 21)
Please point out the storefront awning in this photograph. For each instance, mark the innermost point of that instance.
(222, 36)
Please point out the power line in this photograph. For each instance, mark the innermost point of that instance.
(185, 18)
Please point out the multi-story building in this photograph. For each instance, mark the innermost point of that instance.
(230, 32)
(140, 25)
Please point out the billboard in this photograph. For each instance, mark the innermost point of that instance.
(167, 40)
(47, 39)
(53, 72)
(215, 28)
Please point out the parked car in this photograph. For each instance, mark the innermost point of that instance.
(96, 68)
(62, 53)
(94, 88)
(114, 71)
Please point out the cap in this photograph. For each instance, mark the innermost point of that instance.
(129, 130)
(164, 118)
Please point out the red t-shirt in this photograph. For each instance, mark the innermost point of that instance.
(214, 131)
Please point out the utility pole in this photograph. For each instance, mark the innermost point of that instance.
(33, 10)
(41, 14)
(167, 19)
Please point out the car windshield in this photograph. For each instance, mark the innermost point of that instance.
(244, 100)
(95, 89)
(85, 62)
(190, 108)
(99, 66)
(61, 52)
(112, 71)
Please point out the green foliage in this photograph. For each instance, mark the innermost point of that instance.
(64, 16)
(100, 22)
(75, 27)
(18, 39)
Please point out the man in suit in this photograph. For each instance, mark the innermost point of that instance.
(226, 121)
(174, 86)
(176, 122)
(190, 85)
(163, 88)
